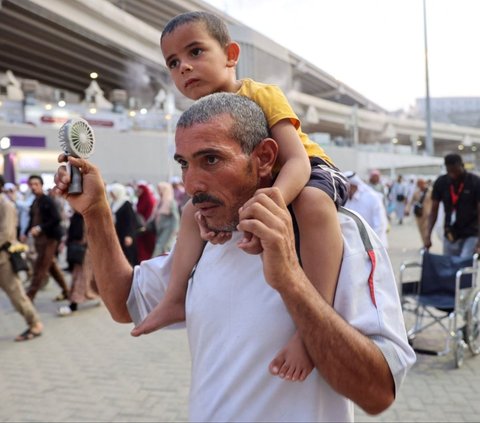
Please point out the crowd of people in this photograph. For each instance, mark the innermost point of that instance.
(447, 205)
(52, 234)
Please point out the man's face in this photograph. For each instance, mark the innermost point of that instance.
(216, 173)
(352, 189)
(35, 186)
(455, 171)
(421, 184)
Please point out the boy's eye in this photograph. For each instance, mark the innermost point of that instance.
(173, 64)
(197, 51)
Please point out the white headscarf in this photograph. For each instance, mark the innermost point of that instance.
(119, 196)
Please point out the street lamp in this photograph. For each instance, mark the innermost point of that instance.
(428, 116)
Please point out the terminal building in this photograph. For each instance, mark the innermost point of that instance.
(101, 60)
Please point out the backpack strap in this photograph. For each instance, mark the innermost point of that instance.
(367, 243)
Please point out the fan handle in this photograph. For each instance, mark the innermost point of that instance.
(75, 186)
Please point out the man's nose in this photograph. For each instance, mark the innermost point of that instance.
(194, 182)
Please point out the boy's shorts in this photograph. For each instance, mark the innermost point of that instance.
(330, 180)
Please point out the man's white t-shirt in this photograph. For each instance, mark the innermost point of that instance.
(236, 323)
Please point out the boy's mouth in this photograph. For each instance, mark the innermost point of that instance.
(190, 82)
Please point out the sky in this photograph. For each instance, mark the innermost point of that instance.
(377, 47)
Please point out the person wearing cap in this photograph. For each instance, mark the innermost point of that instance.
(9, 280)
(459, 192)
(367, 203)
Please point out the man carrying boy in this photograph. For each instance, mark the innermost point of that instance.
(240, 307)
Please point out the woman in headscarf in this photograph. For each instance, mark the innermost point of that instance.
(167, 219)
(145, 206)
(125, 221)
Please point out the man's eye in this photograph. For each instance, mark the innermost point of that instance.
(197, 51)
(172, 64)
(183, 164)
(212, 160)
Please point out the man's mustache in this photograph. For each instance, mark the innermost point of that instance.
(206, 198)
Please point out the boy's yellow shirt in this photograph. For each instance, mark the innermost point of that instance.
(276, 107)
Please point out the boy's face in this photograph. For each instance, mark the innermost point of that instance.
(199, 65)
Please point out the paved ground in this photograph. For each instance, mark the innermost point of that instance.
(87, 368)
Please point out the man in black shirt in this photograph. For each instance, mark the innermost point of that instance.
(45, 227)
(459, 191)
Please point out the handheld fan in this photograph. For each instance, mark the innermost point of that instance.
(77, 140)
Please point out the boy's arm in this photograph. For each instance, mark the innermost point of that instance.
(293, 160)
(113, 273)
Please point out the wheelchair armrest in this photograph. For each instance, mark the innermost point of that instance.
(470, 270)
(408, 265)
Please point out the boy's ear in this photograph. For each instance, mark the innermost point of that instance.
(233, 53)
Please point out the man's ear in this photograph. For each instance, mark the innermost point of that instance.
(233, 53)
(266, 154)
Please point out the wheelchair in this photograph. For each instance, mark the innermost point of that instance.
(444, 288)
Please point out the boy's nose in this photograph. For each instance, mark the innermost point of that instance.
(186, 67)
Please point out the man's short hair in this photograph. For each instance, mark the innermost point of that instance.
(216, 27)
(2, 182)
(249, 125)
(38, 177)
(453, 159)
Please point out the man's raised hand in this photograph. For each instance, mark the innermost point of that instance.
(93, 195)
(266, 216)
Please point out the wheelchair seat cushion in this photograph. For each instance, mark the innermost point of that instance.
(438, 279)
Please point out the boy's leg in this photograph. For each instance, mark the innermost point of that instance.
(321, 253)
(187, 252)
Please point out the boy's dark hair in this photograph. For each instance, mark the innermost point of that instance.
(38, 177)
(453, 159)
(216, 27)
(2, 182)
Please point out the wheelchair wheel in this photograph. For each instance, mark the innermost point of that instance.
(459, 349)
(473, 322)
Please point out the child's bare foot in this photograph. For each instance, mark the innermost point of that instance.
(293, 362)
(161, 316)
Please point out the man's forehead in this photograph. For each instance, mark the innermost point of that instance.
(214, 134)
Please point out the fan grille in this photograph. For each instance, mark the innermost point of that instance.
(81, 139)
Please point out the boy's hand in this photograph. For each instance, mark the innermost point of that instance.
(250, 244)
(208, 235)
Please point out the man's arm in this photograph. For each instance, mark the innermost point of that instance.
(349, 361)
(113, 273)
